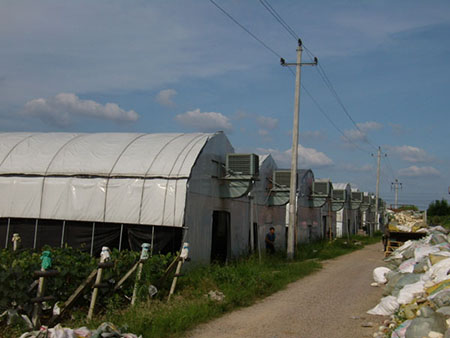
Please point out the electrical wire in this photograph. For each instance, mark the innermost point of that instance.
(291, 32)
(245, 29)
(278, 17)
(331, 121)
(390, 166)
(333, 91)
(320, 69)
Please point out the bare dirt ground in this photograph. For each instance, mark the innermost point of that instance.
(330, 303)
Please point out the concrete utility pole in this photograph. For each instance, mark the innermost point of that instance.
(396, 185)
(377, 193)
(294, 159)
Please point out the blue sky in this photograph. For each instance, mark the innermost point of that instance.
(181, 66)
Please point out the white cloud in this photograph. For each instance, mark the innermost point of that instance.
(369, 125)
(102, 45)
(354, 135)
(165, 97)
(60, 109)
(267, 122)
(205, 122)
(308, 157)
(411, 154)
(415, 171)
(360, 135)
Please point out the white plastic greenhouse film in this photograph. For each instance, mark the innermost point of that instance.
(94, 154)
(33, 154)
(74, 198)
(339, 223)
(159, 202)
(123, 200)
(20, 196)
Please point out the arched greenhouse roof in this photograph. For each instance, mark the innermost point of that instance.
(102, 154)
(102, 177)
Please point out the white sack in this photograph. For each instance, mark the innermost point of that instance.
(438, 272)
(440, 229)
(424, 251)
(387, 306)
(379, 274)
(410, 291)
(407, 266)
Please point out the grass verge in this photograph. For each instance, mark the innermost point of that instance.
(242, 282)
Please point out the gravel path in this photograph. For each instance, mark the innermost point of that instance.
(329, 303)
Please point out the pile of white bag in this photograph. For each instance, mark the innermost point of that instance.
(104, 330)
(408, 221)
(416, 279)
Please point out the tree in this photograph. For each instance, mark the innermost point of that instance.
(408, 207)
(438, 208)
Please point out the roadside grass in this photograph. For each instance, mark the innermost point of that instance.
(330, 249)
(242, 283)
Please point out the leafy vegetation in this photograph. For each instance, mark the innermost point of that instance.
(438, 213)
(17, 268)
(408, 207)
(439, 208)
(241, 282)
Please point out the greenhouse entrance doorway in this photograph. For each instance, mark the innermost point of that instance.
(220, 236)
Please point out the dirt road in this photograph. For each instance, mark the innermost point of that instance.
(330, 303)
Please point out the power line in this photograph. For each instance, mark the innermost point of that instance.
(390, 166)
(320, 69)
(333, 91)
(387, 172)
(245, 29)
(330, 120)
(328, 117)
(278, 17)
(284, 24)
(292, 33)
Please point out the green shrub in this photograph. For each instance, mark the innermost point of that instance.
(17, 268)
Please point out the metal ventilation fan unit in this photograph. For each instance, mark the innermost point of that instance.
(242, 164)
(282, 178)
(339, 195)
(357, 196)
(321, 188)
(367, 200)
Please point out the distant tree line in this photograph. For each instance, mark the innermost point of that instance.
(438, 213)
(408, 207)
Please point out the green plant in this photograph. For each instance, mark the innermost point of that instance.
(17, 268)
(438, 208)
(408, 207)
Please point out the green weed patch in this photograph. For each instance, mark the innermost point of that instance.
(238, 283)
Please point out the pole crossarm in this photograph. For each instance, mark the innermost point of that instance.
(285, 64)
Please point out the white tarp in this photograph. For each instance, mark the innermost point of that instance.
(105, 177)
